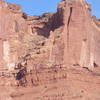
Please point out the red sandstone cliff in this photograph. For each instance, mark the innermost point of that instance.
(55, 50)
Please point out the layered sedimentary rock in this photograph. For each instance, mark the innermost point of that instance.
(56, 53)
(12, 29)
(79, 35)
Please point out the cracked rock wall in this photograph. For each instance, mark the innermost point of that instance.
(81, 35)
(69, 37)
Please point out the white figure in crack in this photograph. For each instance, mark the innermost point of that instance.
(6, 55)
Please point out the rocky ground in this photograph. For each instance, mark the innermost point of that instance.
(75, 85)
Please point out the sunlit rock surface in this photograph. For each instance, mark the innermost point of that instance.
(54, 56)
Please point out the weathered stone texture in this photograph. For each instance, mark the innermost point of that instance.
(56, 53)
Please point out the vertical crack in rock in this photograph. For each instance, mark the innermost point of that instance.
(16, 26)
(68, 26)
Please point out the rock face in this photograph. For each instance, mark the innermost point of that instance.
(12, 27)
(81, 36)
(51, 51)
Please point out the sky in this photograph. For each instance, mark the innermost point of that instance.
(95, 4)
(37, 7)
